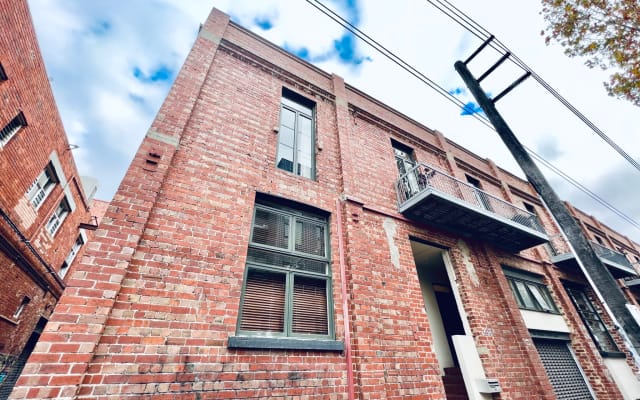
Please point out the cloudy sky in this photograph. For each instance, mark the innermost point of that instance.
(112, 62)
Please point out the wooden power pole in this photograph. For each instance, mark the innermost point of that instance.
(587, 258)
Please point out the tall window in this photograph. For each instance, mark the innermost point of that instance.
(287, 282)
(71, 256)
(530, 292)
(42, 186)
(20, 309)
(10, 130)
(58, 216)
(406, 163)
(296, 135)
(592, 320)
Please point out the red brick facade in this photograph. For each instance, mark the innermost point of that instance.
(153, 309)
(30, 256)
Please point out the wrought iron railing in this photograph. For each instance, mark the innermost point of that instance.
(611, 255)
(425, 177)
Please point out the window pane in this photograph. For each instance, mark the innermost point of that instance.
(271, 229)
(592, 320)
(288, 119)
(273, 259)
(527, 300)
(264, 301)
(309, 306)
(285, 157)
(310, 238)
(543, 300)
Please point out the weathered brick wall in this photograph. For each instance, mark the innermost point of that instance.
(22, 159)
(148, 312)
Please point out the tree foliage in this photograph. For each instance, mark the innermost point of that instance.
(606, 33)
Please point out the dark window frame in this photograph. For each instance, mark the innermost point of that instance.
(3, 74)
(590, 317)
(294, 267)
(530, 292)
(302, 109)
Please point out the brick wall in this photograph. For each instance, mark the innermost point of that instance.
(22, 159)
(149, 311)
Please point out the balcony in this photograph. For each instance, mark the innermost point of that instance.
(432, 197)
(618, 264)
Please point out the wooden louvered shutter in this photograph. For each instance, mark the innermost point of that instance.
(264, 301)
(309, 306)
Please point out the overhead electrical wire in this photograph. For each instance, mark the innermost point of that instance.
(473, 27)
(482, 34)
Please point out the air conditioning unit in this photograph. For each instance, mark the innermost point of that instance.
(488, 386)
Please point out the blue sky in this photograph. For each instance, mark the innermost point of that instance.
(111, 69)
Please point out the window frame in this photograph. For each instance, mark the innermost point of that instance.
(75, 249)
(290, 274)
(571, 292)
(11, 129)
(304, 107)
(36, 193)
(60, 214)
(23, 304)
(536, 290)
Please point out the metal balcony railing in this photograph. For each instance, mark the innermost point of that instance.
(423, 177)
(611, 255)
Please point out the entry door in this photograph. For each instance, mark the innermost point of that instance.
(563, 371)
(406, 168)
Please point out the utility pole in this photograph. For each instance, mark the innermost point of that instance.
(587, 258)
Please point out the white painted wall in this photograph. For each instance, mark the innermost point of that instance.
(624, 377)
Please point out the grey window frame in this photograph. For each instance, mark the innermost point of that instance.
(42, 186)
(594, 316)
(60, 214)
(531, 284)
(302, 108)
(290, 273)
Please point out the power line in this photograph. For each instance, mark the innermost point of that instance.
(479, 32)
(476, 29)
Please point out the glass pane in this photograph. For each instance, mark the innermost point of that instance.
(310, 238)
(309, 306)
(264, 301)
(527, 300)
(285, 158)
(544, 302)
(286, 137)
(271, 229)
(287, 118)
(305, 147)
(273, 259)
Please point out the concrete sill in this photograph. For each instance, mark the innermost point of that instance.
(253, 342)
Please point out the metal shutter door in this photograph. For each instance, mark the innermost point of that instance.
(566, 378)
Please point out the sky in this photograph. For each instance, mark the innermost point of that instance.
(111, 63)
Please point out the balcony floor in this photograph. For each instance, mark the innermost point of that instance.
(440, 210)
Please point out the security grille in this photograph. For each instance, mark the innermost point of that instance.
(565, 375)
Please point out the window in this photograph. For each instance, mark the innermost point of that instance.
(58, 216)
(3, 74)
(591, 319)
(42, 186)
(72, 255)
(287, 282)
(9, 131)
(530, 292)
(20, 309)
(296, 142)
(599, 240)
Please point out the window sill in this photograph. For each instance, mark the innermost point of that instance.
(613, 354)
(9, 320)
(254, 342)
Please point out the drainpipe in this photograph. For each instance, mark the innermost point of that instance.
(345, 304)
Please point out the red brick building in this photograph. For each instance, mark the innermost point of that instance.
(280, 234)
(42, 203)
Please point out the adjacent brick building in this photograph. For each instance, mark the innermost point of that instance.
(280, 234)
(42, 204)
